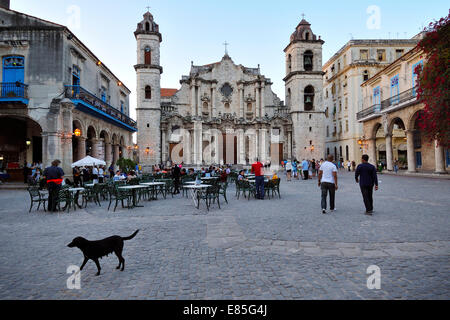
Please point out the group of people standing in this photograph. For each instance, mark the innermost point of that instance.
(306, 169)
(96, 174)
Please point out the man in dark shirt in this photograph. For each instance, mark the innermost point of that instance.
(366, 175)
(176, 173)
(54, 176)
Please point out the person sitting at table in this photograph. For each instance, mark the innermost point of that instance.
(118, 176)
(131, 175)
(223, 176)
(241, 175)
(183, 172)
(274, 177)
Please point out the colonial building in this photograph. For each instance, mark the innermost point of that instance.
(390, 119)
(303, 84)
(354, 63)
(223, 113)
(57, 99)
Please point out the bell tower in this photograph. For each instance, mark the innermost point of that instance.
(148, 92)
(303, 85)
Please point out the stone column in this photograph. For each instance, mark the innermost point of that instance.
(81, 152)
(187, 147)
(410, 151)
(439, 158)
(94, 151)
(372, 144)
(289, 148)
(258, 108)
(108, 149)
(213, 101)
(241, 146)
(164, 156)
(263, 107)
(193, 100)
(241, 101)
(116, 154)
(389, 154)
(199, 102)
(199, 137)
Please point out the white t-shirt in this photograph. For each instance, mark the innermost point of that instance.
(327, 168)
(288, 166)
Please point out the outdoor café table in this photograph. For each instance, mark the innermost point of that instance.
(209, 178)
(90, 185)
(75, 197)
(133, 189)
(153, 185)
(194, 191)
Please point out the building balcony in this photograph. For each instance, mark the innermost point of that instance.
(13, 92)
(89, 103)
(401, 100)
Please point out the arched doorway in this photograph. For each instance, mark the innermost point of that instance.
(102, 150)
(20, 145)
(399, 152)
(77, 144)
(91, 139)
(380, 144)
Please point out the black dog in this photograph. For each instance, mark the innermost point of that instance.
(100, 248)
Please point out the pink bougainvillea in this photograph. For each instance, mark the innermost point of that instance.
(433, 86)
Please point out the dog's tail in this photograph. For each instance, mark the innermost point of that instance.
(132, 236)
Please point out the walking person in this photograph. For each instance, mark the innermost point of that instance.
(349, 164)
(328, 183)
(288, 170)
(257, 169)
(101, 173)
(55, 177)
(313, 167)
(305, 168)
(294, 169)
(176, 173)
(366, 175)
(396, 166)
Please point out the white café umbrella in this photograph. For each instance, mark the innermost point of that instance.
(88, 161)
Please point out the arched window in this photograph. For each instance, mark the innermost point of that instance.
(289, 63)
(227, 105)
(205, 106)
(148, 92)
(306, 35)
(365, 75)
(309, 98)
(147, 26)
(308, 60)
(288, 98)
(147, 55)
(249, 107)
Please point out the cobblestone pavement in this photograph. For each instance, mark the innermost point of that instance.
(273, 249)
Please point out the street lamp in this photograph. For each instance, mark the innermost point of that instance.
(28, 142)
(77, 132)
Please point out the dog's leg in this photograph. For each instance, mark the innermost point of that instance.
(98, 266)
(84, 263)
(119, 256)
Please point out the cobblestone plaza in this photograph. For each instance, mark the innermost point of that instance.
(272, 249)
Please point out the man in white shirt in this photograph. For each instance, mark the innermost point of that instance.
(95, 175)
(328, 182)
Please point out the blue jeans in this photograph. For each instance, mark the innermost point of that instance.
(259, 183)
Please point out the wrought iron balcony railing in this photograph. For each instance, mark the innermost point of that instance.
(385, 104)
(79, 93)
(13, 90)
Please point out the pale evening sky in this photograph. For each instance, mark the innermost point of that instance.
(257, 30)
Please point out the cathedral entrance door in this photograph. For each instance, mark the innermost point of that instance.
(173, 156)
(229, 148)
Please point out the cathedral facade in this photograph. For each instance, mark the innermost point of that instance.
(226, 113)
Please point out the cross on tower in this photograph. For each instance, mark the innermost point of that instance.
(148, 9)
(226, 45)
(303, 16)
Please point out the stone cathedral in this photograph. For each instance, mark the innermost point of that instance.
(226, 113)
